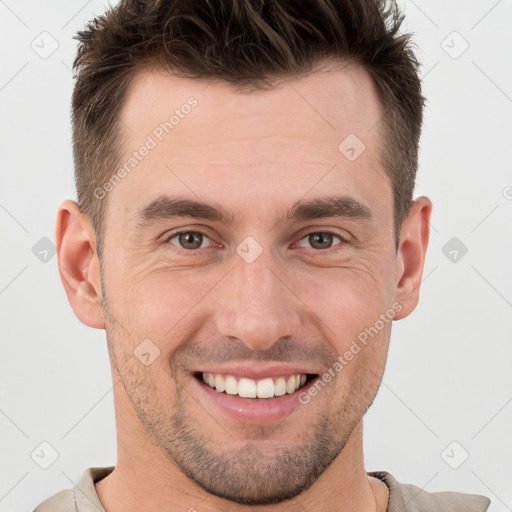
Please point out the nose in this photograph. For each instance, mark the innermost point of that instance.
(256, 304)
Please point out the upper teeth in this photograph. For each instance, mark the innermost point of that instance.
(264, 388)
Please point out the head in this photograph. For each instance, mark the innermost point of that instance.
(245, 173)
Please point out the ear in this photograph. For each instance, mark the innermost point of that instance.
(410, 260)
(78, 262)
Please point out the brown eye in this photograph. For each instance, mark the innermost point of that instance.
(189, 240)
(322, 240)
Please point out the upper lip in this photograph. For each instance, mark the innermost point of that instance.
(257, 371)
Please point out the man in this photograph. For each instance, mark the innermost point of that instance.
(245, 233)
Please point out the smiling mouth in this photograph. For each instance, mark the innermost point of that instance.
(269, 387)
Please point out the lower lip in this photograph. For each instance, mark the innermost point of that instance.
(253, 410)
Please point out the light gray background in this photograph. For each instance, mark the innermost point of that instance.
(449, 372)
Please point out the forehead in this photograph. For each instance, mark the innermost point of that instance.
(328, 102)
(210, 139)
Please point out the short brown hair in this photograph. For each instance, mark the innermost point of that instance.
(246, 43)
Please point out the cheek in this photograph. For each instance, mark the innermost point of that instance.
(163, 307)
(361, 363)
(346, 300)
(157, 300)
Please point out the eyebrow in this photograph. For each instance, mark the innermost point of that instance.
(167, 207)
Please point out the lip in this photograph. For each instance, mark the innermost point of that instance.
(258, 372)
(251, 410)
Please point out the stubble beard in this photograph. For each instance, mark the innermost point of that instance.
(251, 474)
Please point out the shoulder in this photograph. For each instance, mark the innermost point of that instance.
(82, 498)
(411, 498)
(63, 501)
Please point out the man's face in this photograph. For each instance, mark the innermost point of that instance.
(260, 294)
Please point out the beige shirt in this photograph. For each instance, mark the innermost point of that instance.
(402, 497)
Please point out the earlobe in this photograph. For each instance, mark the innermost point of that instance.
(78, 264)
(410, 261)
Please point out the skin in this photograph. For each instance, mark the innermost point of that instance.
(254, 154)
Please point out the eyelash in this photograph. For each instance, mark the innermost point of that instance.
(342, 239)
